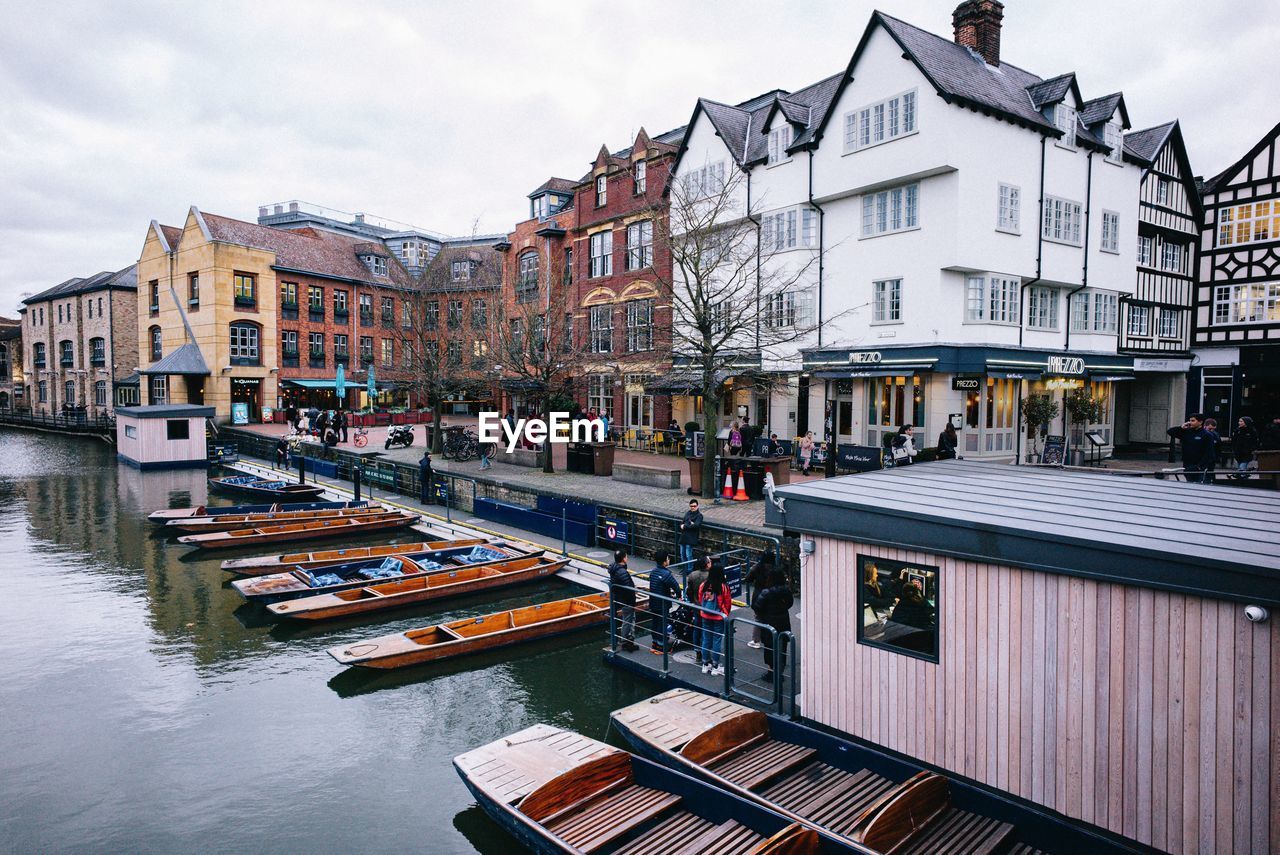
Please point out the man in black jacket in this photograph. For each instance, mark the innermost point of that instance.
(1198, 446)
(663, 583)
(690, 532)
(773, 607)
(623, 597)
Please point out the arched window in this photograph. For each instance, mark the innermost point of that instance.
(37, 354)
(69, 393)
(527, 278)
(244, 344)
(97, 351)
(100, 393)
(157, 349)
(66, 352)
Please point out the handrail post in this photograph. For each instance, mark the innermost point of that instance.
(564, 531)
(726, 645)
(302, 468)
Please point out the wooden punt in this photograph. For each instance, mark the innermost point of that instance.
(556, 791)
(347, 527)
(230, 522)
(273, 489)
(163, 516)
(847, 792)
(421, 588)
(262, 565)
(300, 582)
(471, 635)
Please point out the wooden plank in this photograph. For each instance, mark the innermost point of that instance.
(1157, 795)
(1089, 700)
(1132, 638)
(1242, 780)
(1224, 769)
(1192, 716)
(1272, 724)
(1176, 702)
(1143, 724)
(1208, 726)
(1075, 695)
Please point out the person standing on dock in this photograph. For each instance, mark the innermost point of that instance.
(773, 607)
(714, 601)
(692, 582)
(340, 422)
(622, 596)
(690, 532)
(424, 478)
(1198, 446)
(662, 584)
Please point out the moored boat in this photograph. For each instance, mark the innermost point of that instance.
(847, 792)
(419, 588)
(165, 515)
(471, 635)
(301, 582)
(300, 531)
(557, 791)
(230, 522)
(273, 489)
(261, 565)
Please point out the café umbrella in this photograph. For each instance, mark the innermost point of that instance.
(340, 383)
(373, 387)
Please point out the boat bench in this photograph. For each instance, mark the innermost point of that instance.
(602, 819)
(649, 476)
(831, 797)
(757, 762)
(918, 817)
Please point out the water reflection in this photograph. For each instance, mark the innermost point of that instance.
(146, 711)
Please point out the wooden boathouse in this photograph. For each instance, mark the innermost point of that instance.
(1105, 647)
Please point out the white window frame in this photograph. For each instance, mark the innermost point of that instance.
(882, 209)
(704, 181)
(1171, 256)
(460, 271)
(600, 395)
(601, 248)
(780, 310)
(1110, 237)
(1139, 322)
(601, 326)
(640, 325)
(602, 190)
(528, 271)
(1061, 221)
(1064, 119)
(1113, 136)
(1246, 303)
(991, 298)
(640, 245)
(1248, 222)
(886, 301)
(1094, 311)
(1167, 323)
(100, 393)
(1162, 191)
(883, 121)
(245, 342)
(1009, 209)
(779, 139)
(639, 177)
(1042, 308)
(1146, 250)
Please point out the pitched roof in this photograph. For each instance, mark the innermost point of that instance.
(186, 359)
(1101, 109)
(311, 251)
(173, 235)
(126, 279)
(1146, 143)
(555, 185)
(1051, 91)
(1222, 178)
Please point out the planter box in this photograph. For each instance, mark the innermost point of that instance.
(411, 417)
(399, 418)
(522, 457)
(361, 420)
(381, 419)
(277, 416)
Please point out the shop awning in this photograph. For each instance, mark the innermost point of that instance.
(856, 372)
(332, 384)
(1014, 373)
(682, 382)
(1103, 377)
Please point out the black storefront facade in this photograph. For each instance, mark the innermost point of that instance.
(870, 392)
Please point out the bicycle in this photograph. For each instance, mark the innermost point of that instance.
(361, 437)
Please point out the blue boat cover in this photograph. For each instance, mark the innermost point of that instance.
(483, 553)
(323, 579)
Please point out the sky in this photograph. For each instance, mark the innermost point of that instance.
(446, 115)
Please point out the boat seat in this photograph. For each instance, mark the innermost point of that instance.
(1025, 849)
(727, 838)
(958, 831)
(755, 764)
(603, 819)
(829, 796)
(667, 835)
(373, 592)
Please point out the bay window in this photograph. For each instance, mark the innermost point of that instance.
(1094, 311)
(992, 299)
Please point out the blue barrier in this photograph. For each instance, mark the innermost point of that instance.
(323, 468)
(531, 519)
(580, 511)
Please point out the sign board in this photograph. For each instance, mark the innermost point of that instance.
(966, 384)
(1055, 450)
(1162, 364)
(1071, 366)
(267, 412)
(859, 458)
(956, 420)
(1095, 438)
(240, 414)
(695, 444)
(865, 357)
(615, 531)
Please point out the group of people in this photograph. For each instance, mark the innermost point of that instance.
(1201, 443)
(329, 426)
(743, 436)
(711, 600)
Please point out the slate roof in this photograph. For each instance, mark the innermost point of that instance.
(309, 251)
(1051, 91)
(173, 235)
(555, 185)
(126, 279)
(1146, 143)
(186, 359)
(1100, 109)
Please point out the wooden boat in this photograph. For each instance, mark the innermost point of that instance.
(274, 490)
(349, 527)
(471, 635)
(849, 793)
(168, 514)
(556, 791)
(419, 588)
(300, 582)
(230, 522)
(261, 565)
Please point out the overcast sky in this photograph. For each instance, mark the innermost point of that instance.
(446, 115)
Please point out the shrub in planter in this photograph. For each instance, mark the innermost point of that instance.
(1036, 411)
(692, 427)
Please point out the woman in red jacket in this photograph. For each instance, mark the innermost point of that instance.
(713, 594)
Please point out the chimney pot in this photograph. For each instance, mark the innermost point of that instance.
(279, 209)
(293, 207)
(262, 210)
(977, 26)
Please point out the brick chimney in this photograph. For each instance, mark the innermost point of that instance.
(977, 26)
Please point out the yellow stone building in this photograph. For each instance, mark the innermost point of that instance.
(207, 318)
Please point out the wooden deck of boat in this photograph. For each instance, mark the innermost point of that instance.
(671, 719)
(512, 767)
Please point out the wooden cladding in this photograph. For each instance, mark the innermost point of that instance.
(1147, 713)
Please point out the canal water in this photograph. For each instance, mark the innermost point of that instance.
(144, 708)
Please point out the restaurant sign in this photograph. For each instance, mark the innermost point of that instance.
(865, 357)
(1071, 366)
(966, 384)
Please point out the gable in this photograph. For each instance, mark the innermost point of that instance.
(1257, 164)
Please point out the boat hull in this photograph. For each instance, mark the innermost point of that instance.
(289, 492)
(225, 540)
(231, 522)
(166, 515)
(266, 565)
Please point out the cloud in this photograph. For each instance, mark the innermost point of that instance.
(445, 114)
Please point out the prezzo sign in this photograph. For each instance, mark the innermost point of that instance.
(865, 357)
(966, 384)
(1069, 365)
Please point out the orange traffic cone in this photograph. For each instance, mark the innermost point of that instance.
(727, 492)
(741, 495)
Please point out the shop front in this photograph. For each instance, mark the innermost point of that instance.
(870, 394)
(323, 395)
(1228, 383)
(246, 400)
(1156, 399)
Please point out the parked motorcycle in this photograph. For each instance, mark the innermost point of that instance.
(399, 435)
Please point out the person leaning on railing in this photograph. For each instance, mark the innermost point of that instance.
(662, 584)
(773, 607)
(622, 594)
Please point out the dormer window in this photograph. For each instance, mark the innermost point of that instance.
(1064, 119)
(377, 265)
(602, 190)
(640, 177)
(1115, 141)
(779, 139)
(461, 271)
(539, 207)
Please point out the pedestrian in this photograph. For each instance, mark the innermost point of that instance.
(485, 452)
(755, 580)
(622, 596)
(1198, 446)
(510, 419)
(775, 448)
(714, 604)
(735, 439)
(806, 453)
(1269, 438)
(690, 533)
(330, 437)
(904, 447)
(282, 453)
(303, 426)
(773, 606)
(1211, 428)
(321, 423)
(662, 585)
(424, 479)
(312, 415)
(291, 415)
(692, 582)
(1244, 442)
(342, 423)
(947, 442)
(604, 420)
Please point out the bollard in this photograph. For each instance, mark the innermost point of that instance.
(302, 469)
(356, 473)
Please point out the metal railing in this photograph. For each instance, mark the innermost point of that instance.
(72, 421)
